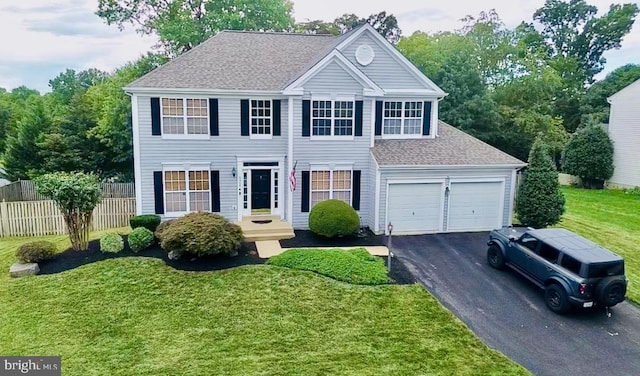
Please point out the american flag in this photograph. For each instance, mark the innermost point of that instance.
(292, 180)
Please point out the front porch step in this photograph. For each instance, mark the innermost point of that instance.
(277, 229)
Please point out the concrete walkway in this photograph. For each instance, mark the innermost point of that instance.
(269, 248)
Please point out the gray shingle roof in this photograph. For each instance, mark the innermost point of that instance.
(452, 147)
(240, 60)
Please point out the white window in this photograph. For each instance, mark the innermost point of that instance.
(261, 117)
(330, 184)
(182, 116)
(186, 191)
(332, 117)
(402, 118)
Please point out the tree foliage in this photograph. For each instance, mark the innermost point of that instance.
(589, 155)
(75, 195)
(594, 106)
(539, 202)
(183, 24)
(385, 24)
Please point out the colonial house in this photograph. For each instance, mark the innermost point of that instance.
(254, 124)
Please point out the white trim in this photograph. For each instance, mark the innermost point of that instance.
(333, 99)
(403, 119)
(378, 189)
(241, 169)
(331, 165)
(154, 91)
(258, 136)
(185, 167)
(175, 136)
(424, 93)
(369, 87)
(372, 115)
(514, 177)
(440, 181)
(290, 161)
(450, 167)
(137, 167)
(394, 53)
(185, 118)
(478, 180)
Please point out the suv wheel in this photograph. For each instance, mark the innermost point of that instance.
(556, 298)
(495, 257)
(610, 291)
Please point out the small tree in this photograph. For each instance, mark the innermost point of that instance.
(589, 156)
(76, 194)
(539, 202)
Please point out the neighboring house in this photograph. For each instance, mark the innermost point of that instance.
(624, 130)
(221, 127)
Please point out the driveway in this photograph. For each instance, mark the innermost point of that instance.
(508, 313)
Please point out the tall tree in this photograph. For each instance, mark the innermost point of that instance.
(594, 105)
(183, 24)
(69, 83)
(385, 24)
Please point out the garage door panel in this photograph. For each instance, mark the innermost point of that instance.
(474, 206)
(415, 207)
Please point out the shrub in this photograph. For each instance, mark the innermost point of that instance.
(589, 156)
(355, 266)
(36, 251)
(140, 238)
(539, 202)
(200, 234)
(148, 221)
(111, 242)
(332, 218)
(161, 227)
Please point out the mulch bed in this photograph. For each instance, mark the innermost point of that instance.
(247, 255)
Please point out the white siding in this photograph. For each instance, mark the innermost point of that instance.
(624, 130)
(333, 79)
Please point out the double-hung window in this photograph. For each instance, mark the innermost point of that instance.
(402, 118)
(261, 118)
(186, 191)
(331, 184)
(332, 117)
(185, 116)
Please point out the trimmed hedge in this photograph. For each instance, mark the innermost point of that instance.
(148, 221)
(111, 242)
(36, 251)
(200, 234)
(140, 238)
(332, 218)
(355, 266)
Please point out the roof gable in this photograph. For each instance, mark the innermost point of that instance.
(626, 90)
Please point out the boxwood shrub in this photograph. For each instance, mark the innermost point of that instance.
(140, 238)
(355, 266)
(332, 218)
(111, 242)
(200, 234)
(36, 251)
(148, 221)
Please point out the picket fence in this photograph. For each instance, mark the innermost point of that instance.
(36, 218)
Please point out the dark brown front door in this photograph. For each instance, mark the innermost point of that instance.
(260, 189)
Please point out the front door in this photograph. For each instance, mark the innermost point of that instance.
(260, 189)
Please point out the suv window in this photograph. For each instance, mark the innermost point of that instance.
(528, 241)
(570, 264)
(603, 270)
(549, 253)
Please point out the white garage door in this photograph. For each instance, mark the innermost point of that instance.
(415, 207)
(474, 206)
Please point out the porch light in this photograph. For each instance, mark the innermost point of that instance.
(233, 172)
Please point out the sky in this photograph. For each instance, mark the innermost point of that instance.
(42, 38)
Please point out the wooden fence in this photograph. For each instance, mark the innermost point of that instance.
(36, 218)
(25, 190)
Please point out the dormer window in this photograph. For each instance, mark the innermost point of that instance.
(402, 118)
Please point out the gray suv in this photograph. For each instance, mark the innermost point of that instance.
(572, 270)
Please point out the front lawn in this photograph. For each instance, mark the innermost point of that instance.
(137, 316)
(610, 218)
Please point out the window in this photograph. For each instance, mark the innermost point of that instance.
(570, 264)
(261, 120)
(330, 184)
(185, 116)
(549, 253)
(186, 191)
(332, 118)
(402, 118)
(529, 242)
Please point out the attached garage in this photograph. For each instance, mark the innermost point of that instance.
(415, 207)
(475, 206)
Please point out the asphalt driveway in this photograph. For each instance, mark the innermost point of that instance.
(509, 313)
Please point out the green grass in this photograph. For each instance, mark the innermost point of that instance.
(610, 218)
(137, 316)
(354, 266)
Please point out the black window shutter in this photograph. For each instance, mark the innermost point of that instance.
(155, 117)
(379, 118)
(213, 117)
(158, 192)
(306, 118)
(305, 191)
(426, 119)
(276, 117)
(244, 117)
(356, 189)
(358, 118)
(215, 191)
